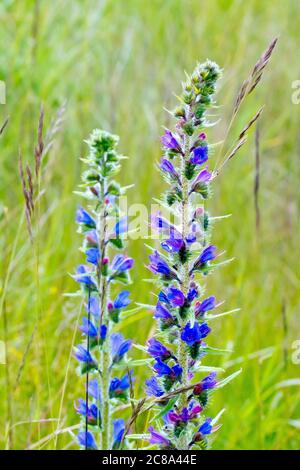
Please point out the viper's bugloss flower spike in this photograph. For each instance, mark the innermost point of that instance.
(102, 350)
(185, 257)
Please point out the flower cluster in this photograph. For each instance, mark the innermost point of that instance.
(185, 254)
(102, 350)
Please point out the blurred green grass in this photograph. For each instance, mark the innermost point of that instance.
(117, 64)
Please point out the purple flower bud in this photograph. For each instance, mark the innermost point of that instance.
(169, 142)
(158, 439)
(167, 167)
(204, 176)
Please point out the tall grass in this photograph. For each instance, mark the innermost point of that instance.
(115, 66)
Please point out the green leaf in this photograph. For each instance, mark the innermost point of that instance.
(216, 419)
(139, 362)
(228, 379)
(137, 436)
(223, 314)
(147, 306)
(165, 409)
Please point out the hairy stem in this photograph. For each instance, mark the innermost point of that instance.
(103, 287)
(182, 352)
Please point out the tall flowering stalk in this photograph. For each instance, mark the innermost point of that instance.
(182, 310)
(103, 351)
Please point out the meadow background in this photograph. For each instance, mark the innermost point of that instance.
(117, 63)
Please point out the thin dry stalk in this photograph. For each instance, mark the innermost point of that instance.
(4, 126)
(257, 178)
(285, 333)
(9, 400)
(139, 408)
(38, 152)
(28, 196)
(254, 78)
(242, 138)
(55, 127)
(247, 87)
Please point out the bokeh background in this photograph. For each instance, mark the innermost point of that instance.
(117, 64)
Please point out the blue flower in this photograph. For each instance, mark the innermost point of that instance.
(88, 328)
(121, 226)
(122, 300)
(157, 350)
(207, 383)
(83, 217)
(199, 155)
(173, 244)
(103, 331)
(162, 369)
(153, 388)
(162, 296)
(92, 413)
(206, 427)
(186, 414)
(92, 238)
(93, 256)
(82, 355)
(163, 314)
(192, 293)
(83, 276)
(119, 346)
(205, 306)
(94, 389)
(93, 307)
(118, 431)
(175, 296)
(159, 266)
(121, 263)
(191, 335)
(208, 254)
(86, 439)
(118, 387)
